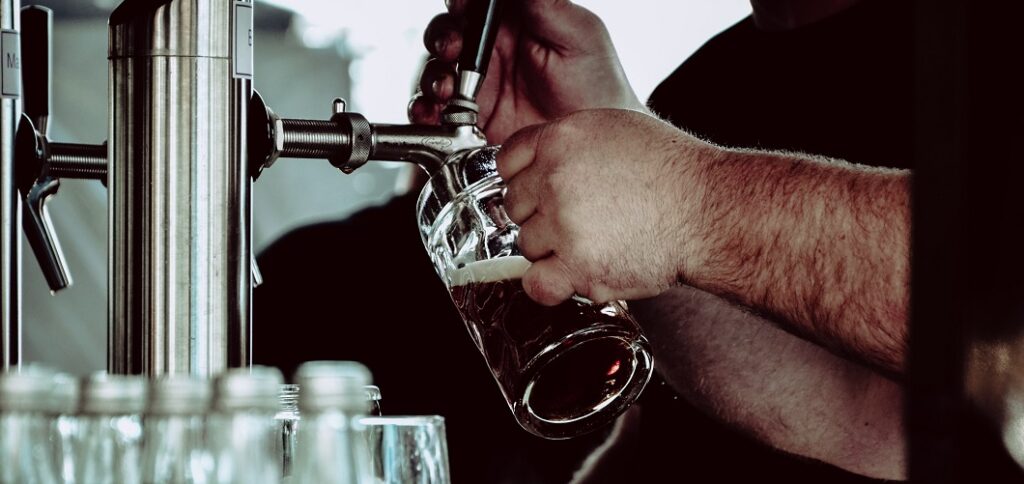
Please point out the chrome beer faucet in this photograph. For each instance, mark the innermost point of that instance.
(40, 163)
(348, 140)
(32, 165)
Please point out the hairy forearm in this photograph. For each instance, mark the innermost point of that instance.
(782, 390)
(820, 245)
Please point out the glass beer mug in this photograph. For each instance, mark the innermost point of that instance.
(563, 370)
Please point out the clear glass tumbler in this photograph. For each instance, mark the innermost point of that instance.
(408, 450)
(564, 370)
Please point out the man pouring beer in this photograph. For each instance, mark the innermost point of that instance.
(616, 203)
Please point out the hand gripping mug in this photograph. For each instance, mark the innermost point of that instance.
(564, 370)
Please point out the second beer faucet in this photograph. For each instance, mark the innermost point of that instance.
(39, 162)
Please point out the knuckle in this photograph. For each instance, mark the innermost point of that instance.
(430, 34)
(599, 293)
(560, 130)
(592, 21)
(436, 70)
(585, 287)
(440, 34)
(539, 288)
(557, 181)
(421, 110)
(455, 6)
(511, 202)
(520, 137)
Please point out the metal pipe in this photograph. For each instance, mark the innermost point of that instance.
(10, 202)
(180, 198)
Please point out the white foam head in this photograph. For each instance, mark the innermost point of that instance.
(490, 270)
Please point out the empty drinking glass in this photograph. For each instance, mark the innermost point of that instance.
(408, 450)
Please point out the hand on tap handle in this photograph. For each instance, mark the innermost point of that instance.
(550, 58)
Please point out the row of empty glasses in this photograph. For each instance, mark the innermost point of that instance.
(245, 426)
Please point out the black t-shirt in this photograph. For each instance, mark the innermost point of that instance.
(364, 289)
(842, 87)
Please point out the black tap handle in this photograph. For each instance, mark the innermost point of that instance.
(37, 59)
(482, 20)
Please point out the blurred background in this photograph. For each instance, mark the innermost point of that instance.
(307, 53)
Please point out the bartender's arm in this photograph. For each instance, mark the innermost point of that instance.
(785, 391)
(617, 204)
(566, 55)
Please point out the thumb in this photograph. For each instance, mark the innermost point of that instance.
(547, 282)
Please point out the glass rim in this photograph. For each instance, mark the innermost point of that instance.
(403, 420)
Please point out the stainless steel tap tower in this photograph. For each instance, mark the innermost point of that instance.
(180, 190)
(10, 202)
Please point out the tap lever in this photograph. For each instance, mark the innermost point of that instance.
(40, 163)
(36, 186)
(257, 275)
(41, 235)
(37, 59)
(31, 151)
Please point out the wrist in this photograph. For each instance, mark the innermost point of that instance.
(692, 167)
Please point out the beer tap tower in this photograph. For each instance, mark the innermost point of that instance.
(180, 192)
(187, 137)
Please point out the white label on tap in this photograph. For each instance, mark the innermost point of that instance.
(10, 65)
(241, 52)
